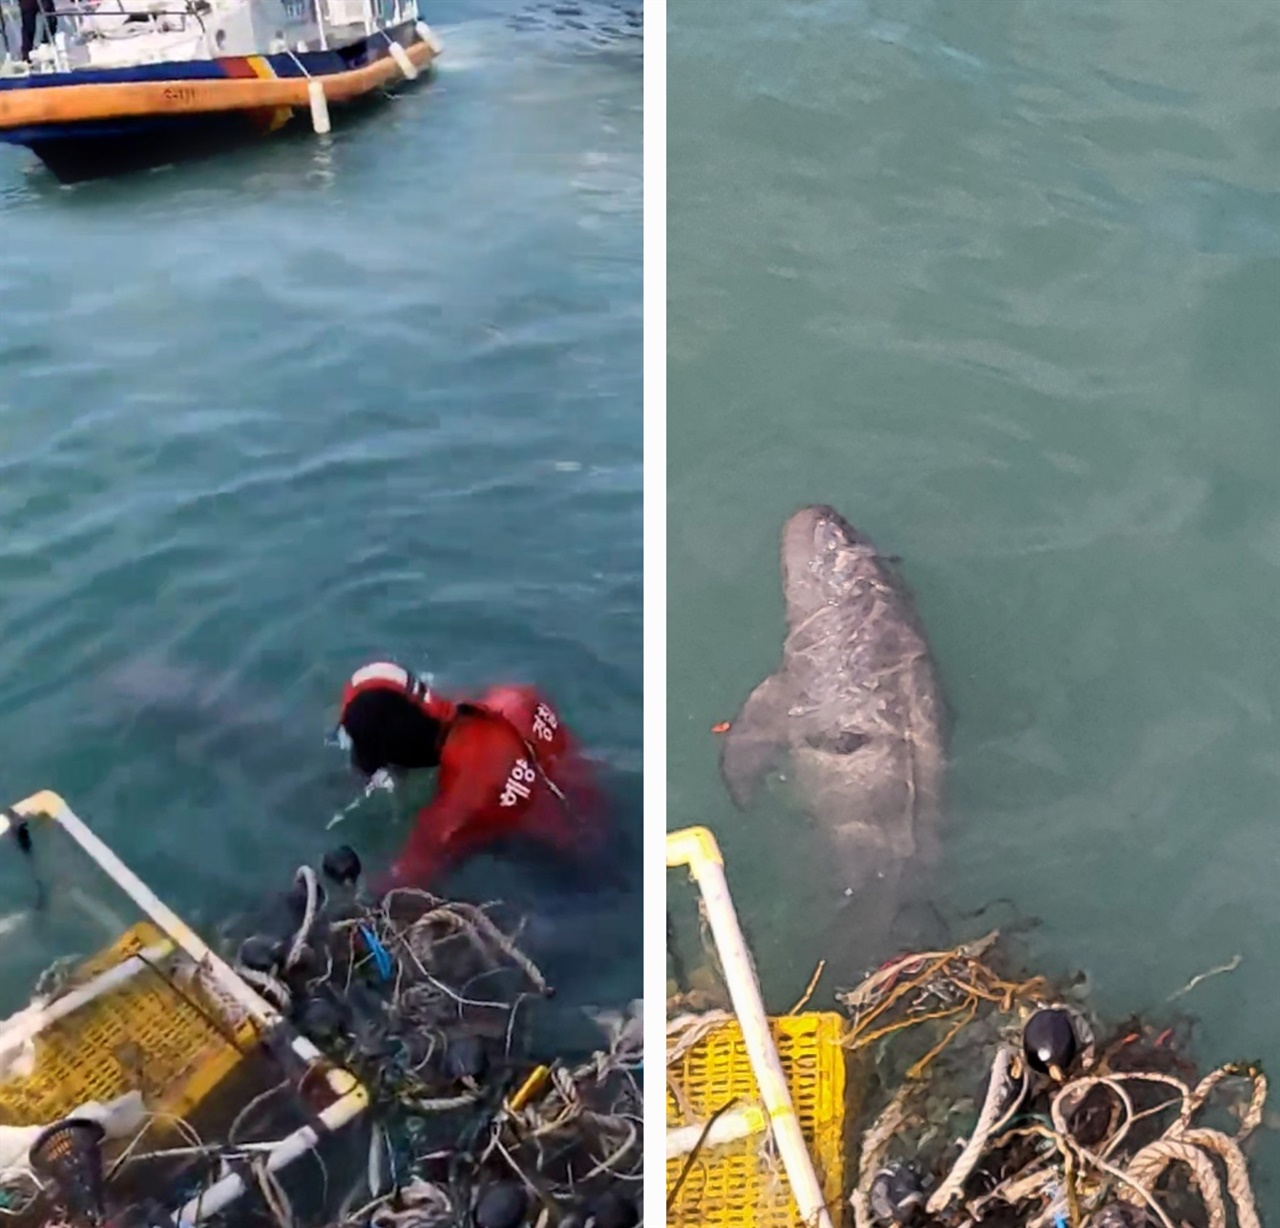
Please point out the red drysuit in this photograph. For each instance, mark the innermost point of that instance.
(507, 767)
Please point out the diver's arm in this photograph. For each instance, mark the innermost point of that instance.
(452, 824)
(433, 847)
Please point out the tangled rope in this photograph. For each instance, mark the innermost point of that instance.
(467, 920)
(307, 876)
(686, 1031)
(1094, 1134)
(422, 1205)
(1182, 1142)
(600, 1100)
(428, 1002)
(1052, 1154)
(875, 1145)
(989, 1121)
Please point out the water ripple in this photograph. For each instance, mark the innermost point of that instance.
(267, 415)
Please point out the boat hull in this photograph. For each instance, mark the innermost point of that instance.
(90, 151)
(88, 124)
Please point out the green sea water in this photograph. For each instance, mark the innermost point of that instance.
(266, 417)
(1001, 281)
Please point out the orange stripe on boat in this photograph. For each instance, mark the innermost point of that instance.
(258, 68)
(237, 67)
(275, 119)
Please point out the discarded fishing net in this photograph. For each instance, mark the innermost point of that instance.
(983, 1098)
(423, 999)
(1073, 1127)
(428, 1002)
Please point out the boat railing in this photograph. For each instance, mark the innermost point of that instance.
(372, 15)
(88, 19)
(70, 18)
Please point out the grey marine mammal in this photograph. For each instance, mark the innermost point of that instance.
(855, 714)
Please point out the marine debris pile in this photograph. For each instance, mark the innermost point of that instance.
(423, 1000)
(985, 1099)
(428, 1002)
(1071, 1127)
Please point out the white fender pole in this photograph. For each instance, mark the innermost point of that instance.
(319, 106)
(405, 64)
(696, 848)
(428, 36)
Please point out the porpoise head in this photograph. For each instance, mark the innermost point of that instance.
(821, 553)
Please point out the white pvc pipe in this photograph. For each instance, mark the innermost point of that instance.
(290, 1148)
(734, 1125)
(20, 1028)
(54, 808)
(696, 848)
(51, 805)
(352, 1098)
(405, 64)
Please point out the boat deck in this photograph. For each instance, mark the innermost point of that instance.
(76, 36)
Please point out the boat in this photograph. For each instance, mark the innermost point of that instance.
(99, 87)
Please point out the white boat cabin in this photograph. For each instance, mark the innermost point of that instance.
(105, 34)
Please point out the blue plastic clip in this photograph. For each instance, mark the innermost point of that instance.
(381, 956)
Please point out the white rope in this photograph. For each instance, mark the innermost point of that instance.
(997, 1092)
(305, 875)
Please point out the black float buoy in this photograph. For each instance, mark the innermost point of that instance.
(504, 1204)
(319, 1019)
(1049, 1043)
(261, 952)
(342, 865)
(465, 1058)
(896, 1195)
(612, 1210)
(307, 966)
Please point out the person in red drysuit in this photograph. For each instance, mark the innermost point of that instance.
(507, 767)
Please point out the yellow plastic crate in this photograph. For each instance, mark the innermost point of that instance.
(734, 1185)
(145, 1035)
